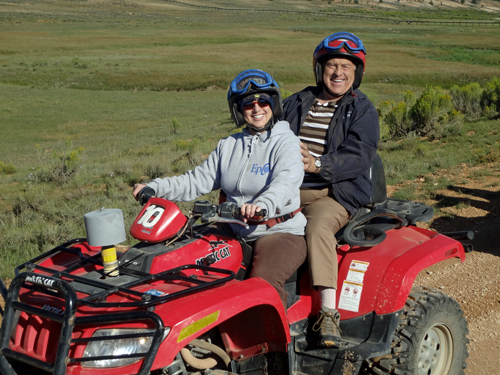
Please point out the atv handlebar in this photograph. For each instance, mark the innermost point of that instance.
(227, 212)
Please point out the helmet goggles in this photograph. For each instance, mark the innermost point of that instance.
(337, 41)
(257, 78)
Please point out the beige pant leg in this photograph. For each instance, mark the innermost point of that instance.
(325, 217)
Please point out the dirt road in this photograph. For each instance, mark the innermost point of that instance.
(475, 284)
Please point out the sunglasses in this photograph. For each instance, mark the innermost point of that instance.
(261, 104)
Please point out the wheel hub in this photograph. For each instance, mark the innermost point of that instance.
(436, 351)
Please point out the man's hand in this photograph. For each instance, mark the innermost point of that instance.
(137, 189)
(307, 159)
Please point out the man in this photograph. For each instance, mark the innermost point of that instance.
(339, 132)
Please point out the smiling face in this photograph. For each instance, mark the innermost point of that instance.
(257, 114)
(338, 77)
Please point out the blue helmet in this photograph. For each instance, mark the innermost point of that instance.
(248, 82)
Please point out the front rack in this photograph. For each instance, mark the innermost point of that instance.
(58, 283)
(135, 278)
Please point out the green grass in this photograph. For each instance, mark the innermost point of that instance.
(97, 96)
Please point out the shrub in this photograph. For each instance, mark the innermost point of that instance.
(60, 167)
(432, 115)
(483, 155)
(174, 126)
(490, 100)
(430, 109)
(467, 99)
(7, 168)
(398, 117)
(398, 120)
(450, 124)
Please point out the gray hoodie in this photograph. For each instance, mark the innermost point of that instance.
(265, 169)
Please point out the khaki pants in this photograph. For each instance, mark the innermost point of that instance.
(276, 257)
(325, 217)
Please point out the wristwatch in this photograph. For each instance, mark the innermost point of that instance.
(317, 164)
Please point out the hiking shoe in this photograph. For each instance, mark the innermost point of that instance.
(328, 328)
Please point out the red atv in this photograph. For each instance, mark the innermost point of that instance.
(182, 303)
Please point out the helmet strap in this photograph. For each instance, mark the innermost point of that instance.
(268, 126)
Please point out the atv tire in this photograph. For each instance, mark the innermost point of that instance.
(431, 338)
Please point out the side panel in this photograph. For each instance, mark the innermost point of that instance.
(380, 278)
(309, 303)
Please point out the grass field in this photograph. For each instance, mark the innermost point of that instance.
(97, 95)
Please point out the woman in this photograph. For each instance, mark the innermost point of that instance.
(259, 168)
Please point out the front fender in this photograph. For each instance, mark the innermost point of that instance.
(249, 315)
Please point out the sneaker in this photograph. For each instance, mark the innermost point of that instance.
(328, 328)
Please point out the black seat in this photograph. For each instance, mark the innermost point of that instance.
(368, 226)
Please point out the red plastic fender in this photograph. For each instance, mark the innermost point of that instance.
(388, 270)
(402, 271)
(249, 314)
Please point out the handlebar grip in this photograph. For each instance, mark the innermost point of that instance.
(259, 215)
(145, 194)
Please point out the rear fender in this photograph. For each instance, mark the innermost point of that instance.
(401, 272)
(249, 315)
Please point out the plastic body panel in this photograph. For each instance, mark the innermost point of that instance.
(159, 220)
(393, 267)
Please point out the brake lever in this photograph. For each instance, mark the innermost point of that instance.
(218, 219)
(226, 212)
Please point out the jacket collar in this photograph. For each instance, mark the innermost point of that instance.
(312, 92)
(279, 128)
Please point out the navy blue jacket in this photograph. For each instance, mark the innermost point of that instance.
(352, 140)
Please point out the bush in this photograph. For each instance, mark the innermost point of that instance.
(467, 99)
(432, 115)
(397, 117)
(430, 109)
(7, 168)
(398, 120)
(175, 126)
(61, 166)
(483, 155)
(490, 100)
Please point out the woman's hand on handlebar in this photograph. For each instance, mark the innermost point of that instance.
(248, 210)
(137, 189)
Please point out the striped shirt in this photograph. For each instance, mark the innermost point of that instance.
(313, 134)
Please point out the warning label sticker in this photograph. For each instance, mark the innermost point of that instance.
(356, 276)
(359, 265)
(350, 296)
(357, 271)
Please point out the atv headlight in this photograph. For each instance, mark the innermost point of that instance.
(116, 347)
